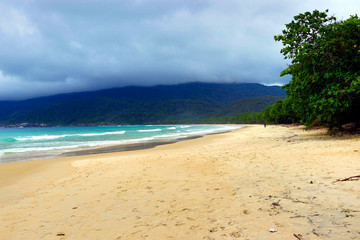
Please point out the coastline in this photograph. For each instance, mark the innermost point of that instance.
(14, 169)
(234, 185)
(138, 146)
(111, 148)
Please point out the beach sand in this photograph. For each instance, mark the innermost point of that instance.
(234, 185)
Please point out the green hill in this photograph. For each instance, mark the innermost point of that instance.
(140, 105)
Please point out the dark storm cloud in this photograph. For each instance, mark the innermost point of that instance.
(57, 46)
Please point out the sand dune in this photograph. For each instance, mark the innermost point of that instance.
(234, 185)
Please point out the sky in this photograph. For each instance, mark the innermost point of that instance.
(60, 46)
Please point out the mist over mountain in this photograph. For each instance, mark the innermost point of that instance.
(141, 105)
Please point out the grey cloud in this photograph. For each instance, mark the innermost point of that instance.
(58, 46)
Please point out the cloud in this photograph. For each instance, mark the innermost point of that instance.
(63, 46)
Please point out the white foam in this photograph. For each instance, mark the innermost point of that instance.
(49, 137)
(168, 135)
(42, 137)
(35, 149)
(150, 130)
(100, 134)
(210, 131)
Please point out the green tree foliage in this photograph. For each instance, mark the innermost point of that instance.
(280, 112)
(244, 118)
(325, 68)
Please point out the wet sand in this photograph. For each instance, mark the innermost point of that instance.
(234, 185)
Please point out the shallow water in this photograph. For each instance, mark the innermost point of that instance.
(20, 144)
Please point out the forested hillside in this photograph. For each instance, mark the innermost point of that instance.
(141, 105)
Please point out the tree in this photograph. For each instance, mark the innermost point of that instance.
(279, 112)
(325, 68)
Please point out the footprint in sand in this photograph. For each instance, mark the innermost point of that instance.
(246, 212)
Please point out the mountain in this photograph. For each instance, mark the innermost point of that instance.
(140, 105)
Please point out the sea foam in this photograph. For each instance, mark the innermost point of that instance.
(150, 130)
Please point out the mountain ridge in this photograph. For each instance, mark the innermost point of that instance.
(133, 104)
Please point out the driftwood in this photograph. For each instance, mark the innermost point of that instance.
(298, 236)
(352, 178)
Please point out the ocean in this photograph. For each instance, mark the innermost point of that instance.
(23, 144)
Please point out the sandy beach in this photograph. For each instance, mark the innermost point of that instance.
(233, 185)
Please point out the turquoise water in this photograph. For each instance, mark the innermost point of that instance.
(18, 144)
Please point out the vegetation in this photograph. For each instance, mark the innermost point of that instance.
(247, 105)
(325, 70)
(280, 112)
(141, 105)
(244, 118)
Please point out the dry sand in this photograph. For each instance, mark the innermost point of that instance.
(234, 185)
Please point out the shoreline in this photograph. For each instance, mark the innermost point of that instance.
(13, 169)
(138, 146)
(234, 185)
(42, 155)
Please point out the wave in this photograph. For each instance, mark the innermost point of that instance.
(34, 149)
(212, 131)
(81, 145)
(168, 135)
(49, 137)
(8, 140)
(150, 130)
(99, 134)
(171, 128)
(42, 137)
(54, 148)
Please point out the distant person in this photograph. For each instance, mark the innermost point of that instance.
(264, 125)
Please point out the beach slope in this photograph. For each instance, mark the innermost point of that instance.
(234, 185)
